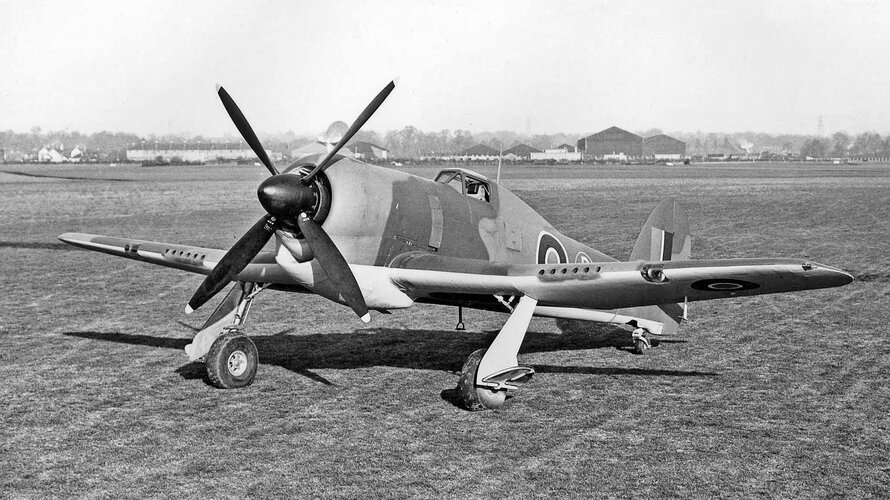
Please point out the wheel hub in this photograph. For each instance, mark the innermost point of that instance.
(237, 363)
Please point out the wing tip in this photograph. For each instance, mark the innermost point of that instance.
(188, 309)
(366, 318)
(72, 238)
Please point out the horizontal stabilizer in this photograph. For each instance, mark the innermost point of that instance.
(665, 236)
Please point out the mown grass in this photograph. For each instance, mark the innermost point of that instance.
(776, 396)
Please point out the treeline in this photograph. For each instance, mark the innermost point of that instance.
(112, 146)
(838, 145)
(868, 144)
(18, 146)
(411, 142)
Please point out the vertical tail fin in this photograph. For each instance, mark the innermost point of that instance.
(665, 236)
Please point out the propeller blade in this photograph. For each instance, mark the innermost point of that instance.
(244, 127)
(233, 262)
(334, 265)
(356, 126)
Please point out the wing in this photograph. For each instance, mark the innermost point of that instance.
(609, 285)
(194, 259)
(603, 286)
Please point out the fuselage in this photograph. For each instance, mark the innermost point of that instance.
(377, 214)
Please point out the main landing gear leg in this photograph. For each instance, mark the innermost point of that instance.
(488, 374)
(230, 357)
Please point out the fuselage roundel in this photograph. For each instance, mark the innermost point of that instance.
(550, 250)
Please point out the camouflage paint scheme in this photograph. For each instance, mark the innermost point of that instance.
(378, 214)
(410, 239)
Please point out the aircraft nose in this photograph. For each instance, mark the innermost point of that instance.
(285, 196)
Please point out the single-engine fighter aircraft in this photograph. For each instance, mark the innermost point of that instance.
(373, 238)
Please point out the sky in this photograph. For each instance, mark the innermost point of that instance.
(150, 67)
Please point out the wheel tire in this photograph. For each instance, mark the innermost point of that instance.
(472, 397)
(640, 346)
(232, 362)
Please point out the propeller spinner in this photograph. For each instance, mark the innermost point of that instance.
(288, 199)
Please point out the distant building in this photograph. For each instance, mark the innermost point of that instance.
(48, 155)
(612, 143)
(194, 153)
(367, 151)
(75, 155)
(521, 151)
(563, 153)
(663, 147)
(479, 152)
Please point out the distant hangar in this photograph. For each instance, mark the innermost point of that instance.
(615, 143)
(612, 142)
(663, 147)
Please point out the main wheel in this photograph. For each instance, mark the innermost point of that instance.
(231, 362)
(472, 397)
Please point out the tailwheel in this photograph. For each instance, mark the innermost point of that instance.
(232, 361)
(641, 343)
(472, 397)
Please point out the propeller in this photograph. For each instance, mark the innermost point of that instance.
(288, 200)
(233, 262)
(334, 265)
(244, 128)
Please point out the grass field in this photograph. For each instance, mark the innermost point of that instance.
(774, 396)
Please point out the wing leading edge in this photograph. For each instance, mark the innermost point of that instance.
(600, 286)
(613, 285)
(193, 259)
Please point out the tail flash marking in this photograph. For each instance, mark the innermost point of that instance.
(667, 243)
(662, 244)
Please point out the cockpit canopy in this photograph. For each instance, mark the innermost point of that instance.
(466, 182)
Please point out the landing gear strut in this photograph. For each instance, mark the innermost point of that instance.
(230, 357)
(488, 373)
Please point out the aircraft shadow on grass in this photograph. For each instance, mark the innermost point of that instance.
(35, 245)
(444, 350)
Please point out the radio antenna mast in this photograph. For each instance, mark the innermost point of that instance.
(500, 157)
